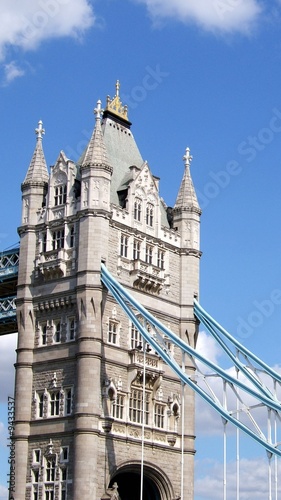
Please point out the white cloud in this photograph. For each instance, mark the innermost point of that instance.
(224, 16)
(208, 347)
(12, 71)
(27, 23)
(253, 479)
(208, 420)
(7, 360)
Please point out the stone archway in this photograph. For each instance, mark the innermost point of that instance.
(128, 479)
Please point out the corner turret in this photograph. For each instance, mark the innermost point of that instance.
(186, 212)
(96, 170)
(35, 184)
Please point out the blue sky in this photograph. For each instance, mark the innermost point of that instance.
(204, 74)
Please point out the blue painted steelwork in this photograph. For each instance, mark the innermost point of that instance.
(215, 329)
(9, 263)
(7, 307)
(155, 339)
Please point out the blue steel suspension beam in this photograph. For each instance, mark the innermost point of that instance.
(154, 338)
(9, 261)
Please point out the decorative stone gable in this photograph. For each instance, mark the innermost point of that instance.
(62, 191)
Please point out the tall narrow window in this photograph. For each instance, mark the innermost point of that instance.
(159, 411)
(136, 338)
(124, 246)
(118, 407)
(148, 254)
(57, 336)
(40, 405)
(44, 242)
(71, 239)
(64, 454)
(71, 328)
(50, 470)
(36, 456)
(58, 239)
(55, 403)
(49, 495)
(137, 210)
(112, 332)
(160, 259)
(64, 474)
(68, 401)
(136, 250)
(36, 476)
(149, 214)
(60, 195)
(44, 335)
(136, 407)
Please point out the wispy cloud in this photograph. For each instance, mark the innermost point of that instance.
(11, 72)
(208, 422)
(219, 16)
(253, 479)
(27, 23)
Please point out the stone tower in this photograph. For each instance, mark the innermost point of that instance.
(80, 395)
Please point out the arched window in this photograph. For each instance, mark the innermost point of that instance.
(136, 250)
(149, 214)
(160, 259)
(137, 209)
(124, 245)
(60, 195)
(148, 254)
(118, 406)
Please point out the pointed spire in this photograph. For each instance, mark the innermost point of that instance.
(186, 196)
(96, 152)
(37, 170)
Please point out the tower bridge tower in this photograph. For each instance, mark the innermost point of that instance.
(98, 413)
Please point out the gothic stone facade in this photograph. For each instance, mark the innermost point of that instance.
(79, 385)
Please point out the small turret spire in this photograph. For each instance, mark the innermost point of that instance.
(96, 152)
(37, 170)
(186, 195)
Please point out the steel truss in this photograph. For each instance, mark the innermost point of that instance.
(249, 399)
(7, 307)
(9, 262)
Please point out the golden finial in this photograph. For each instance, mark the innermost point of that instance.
(115, 105)
(117, 85)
